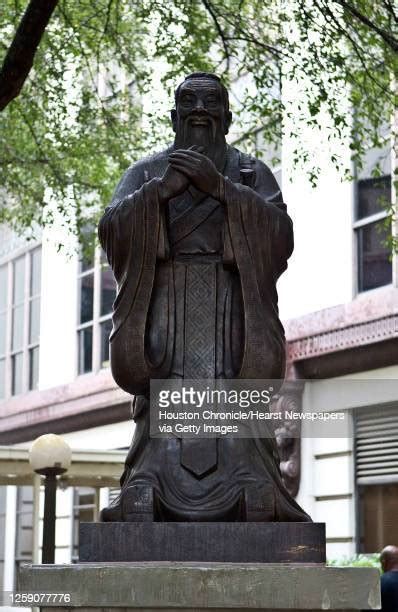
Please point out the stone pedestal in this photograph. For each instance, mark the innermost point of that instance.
(203, 542)
(200, 587)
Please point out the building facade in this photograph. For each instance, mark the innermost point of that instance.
(339, 304)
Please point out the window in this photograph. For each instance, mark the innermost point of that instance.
(3, 495)
(3, 327)
(24, 529)
(373, 229)
(97, 291)
(84, 511)
(20, 286)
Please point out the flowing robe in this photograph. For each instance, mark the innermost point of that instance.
(197, 299)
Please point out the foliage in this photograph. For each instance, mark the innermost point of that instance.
(65, 140)
(357, 561)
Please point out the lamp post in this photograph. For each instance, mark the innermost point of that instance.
(50, 456)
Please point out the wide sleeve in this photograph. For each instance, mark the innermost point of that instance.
(116, 226)
(261, 238)
(129, 232)
(121, 220)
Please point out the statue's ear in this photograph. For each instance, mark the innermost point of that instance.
(228, 121)
(173, 115)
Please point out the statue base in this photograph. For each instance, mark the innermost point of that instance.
(200, 587)
(203, 542)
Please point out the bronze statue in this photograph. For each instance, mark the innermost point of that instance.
(197, 237)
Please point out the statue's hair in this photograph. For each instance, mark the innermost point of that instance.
(204, 75)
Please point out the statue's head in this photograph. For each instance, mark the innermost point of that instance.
(201, 109)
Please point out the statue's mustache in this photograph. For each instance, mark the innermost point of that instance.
(199, 116)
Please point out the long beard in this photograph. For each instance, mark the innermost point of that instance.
(210, 137)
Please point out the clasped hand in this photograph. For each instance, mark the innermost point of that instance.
(190, 166)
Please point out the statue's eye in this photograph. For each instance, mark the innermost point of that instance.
(187, 100)
(211, 100)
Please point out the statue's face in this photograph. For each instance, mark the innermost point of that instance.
(200, 107)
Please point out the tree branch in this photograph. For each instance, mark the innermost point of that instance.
(390, 8)
(240, 33)
(19, 58)
(213, 15)
(103, 33)
(386, 36)
(325, 9)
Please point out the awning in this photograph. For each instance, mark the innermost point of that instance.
(89, 468)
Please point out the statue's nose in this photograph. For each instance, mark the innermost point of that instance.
(199, 106)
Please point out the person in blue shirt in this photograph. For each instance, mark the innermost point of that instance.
(389, 579)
